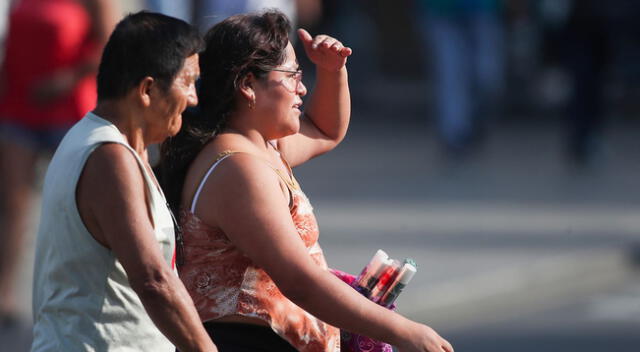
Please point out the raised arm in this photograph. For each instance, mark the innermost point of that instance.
(328, 110)
(252, 209)
(111, 200)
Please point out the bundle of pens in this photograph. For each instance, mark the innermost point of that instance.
(384, 278)
(381, 281)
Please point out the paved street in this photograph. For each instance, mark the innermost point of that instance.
(604, 321)
(516, 250)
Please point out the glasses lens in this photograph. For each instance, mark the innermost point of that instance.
(292, 80)
(295, 79)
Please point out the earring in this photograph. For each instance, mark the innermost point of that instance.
(252, 103)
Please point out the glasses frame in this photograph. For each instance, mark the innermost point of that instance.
(297, 72)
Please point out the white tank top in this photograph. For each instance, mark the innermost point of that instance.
(82, 300)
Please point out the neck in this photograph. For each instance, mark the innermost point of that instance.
(252, 135)
(127, 121)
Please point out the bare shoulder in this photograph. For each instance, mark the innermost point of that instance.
(239, 184)
(111, 172)
(113, 159)
(245, 171)
(110, 189)
(237, 167)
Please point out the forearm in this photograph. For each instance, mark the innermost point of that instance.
(329, 108)
(334, 302)
(171, 309)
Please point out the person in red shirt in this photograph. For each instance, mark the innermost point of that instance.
(47, 83)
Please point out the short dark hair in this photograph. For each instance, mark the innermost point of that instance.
(239, 45)
(145, 44)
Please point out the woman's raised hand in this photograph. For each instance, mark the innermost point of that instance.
(324, 51)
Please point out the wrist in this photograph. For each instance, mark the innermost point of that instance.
(338, 72)
(400, 328)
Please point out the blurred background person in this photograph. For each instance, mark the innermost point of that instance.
(594, 33)
(210, 12)
(465, 42)
(4, 16)
(182, 9)
(47, 83)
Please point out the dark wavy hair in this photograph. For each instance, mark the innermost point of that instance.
(235, 47)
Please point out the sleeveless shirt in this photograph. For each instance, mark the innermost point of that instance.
(82, 300)
(223, 281)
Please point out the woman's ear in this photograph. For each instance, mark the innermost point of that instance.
(246, 87)
(144, 90)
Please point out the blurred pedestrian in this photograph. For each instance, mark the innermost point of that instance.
(210, 12)
(465, 46)
(595, 33)
(182, 9)
(252, 260)
(47, 83)
(104, 273)
(4, 17)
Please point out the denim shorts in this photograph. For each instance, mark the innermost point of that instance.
(44, 139)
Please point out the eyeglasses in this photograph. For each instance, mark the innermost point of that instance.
(292, 81)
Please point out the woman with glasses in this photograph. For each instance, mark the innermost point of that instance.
(250, 258)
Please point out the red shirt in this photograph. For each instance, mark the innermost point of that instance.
(45, 36)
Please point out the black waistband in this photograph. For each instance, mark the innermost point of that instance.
(240, 337)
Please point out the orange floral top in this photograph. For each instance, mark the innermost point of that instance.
(223, 281)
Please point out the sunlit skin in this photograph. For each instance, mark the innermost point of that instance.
(169, 106)
(249, 202)
(279, 99)
(121, 220)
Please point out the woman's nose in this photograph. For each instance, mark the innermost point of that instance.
(301, 89)
(192, 98)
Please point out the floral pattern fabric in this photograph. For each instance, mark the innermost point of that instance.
(223, 281)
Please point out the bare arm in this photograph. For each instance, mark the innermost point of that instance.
(120, 221)
(327, 114)
(252, 210)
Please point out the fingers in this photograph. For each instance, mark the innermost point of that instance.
(305, 37)
(332, 45)
(323, 41)
(346, 52)
(447, 346)
(324, 51)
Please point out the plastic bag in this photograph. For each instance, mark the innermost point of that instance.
(350, 342)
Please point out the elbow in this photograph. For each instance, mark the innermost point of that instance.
(297, 288)
(153, 286)
(295, 294)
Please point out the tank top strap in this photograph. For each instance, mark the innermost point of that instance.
(221, 156)
(288, 179)
(290, 182)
